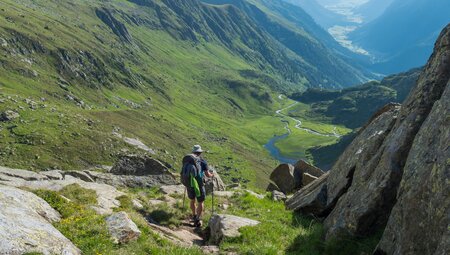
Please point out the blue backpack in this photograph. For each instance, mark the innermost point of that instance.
(191, 165)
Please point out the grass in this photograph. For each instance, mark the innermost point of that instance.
(279, 232)
(88, 231)
(286, 232)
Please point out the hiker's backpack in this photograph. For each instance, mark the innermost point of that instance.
(191, 165)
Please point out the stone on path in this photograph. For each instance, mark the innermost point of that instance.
(227, 226)
(122, 228)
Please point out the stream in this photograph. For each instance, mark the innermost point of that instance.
(272, 148)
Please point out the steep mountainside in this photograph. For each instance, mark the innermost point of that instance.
(394, 176)
(293, 28)
(354, 106)
(403, 36)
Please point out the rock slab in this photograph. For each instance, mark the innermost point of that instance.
(122, 228)
(25, 225)
(227, 226)
(420, 220)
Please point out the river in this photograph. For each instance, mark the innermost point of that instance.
(274, 150)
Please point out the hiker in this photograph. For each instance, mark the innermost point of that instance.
(193, 173)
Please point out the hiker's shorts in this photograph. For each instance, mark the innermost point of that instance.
(191, 194)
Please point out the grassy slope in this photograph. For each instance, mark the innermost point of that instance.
(280, 231)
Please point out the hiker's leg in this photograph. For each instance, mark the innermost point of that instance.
(191, 196)
(200, 209)
(193, 207)
(200, 201)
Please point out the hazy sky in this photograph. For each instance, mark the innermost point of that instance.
(333, 2)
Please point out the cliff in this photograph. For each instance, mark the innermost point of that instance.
(395, 174)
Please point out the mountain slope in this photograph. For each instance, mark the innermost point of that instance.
(77, 88)
(293, 28)
(354, 106)
(404, 35)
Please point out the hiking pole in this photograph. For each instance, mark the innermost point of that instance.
(184, 198)
(212, 197)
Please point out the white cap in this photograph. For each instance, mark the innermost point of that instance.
(197, 149)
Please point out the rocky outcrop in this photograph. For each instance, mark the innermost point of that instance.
(8, 115)
(106, 194)
(367, 203)
(419, 222)
(139, 166)
(396, 172)
(116, 26)
(283, 177)
(214, 182)
(307, 179)
(132, 181)
(290, 178)
(304, 167)
(227, 226)
(25, 225)
(311, 199)
(122, 228)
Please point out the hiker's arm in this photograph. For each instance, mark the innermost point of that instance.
(209, 173)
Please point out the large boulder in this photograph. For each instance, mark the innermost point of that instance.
(420, 220)
(285, 179)
(139, 166)
(304, 167)
(307, 179)
(368, 202)
(311, 199)
(122, 228)
(271, 187)
(227, 226)
(214, 182)
(25, 225)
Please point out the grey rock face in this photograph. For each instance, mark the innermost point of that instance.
(9, 115)
(307, 179)
(132, 181)
(311, 199)
(122, 228)
(419, 221)
(369, 200)
(25, 225)
(283, 177)
(226, 226)
(106, 194)
(304, 167)
(139, 166)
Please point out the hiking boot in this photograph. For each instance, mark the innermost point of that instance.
(197, 223)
